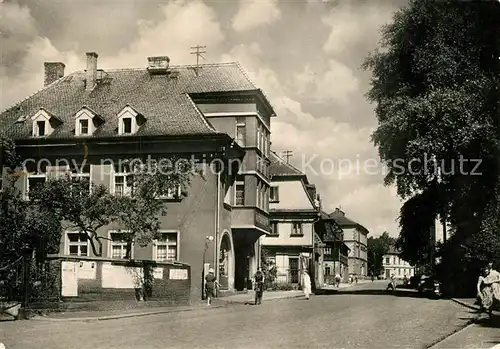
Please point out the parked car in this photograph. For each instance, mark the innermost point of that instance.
(428, 286)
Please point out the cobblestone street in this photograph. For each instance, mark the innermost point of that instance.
(361, 316)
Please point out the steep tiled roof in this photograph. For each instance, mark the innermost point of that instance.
(345, 222)
(162, 100)
(279, 167)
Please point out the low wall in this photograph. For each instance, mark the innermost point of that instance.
(98, 279)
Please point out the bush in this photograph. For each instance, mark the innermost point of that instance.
(281, 286)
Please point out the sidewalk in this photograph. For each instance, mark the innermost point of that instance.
(221, 302)
(481, 333)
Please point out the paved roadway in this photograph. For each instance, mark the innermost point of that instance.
(362, 316)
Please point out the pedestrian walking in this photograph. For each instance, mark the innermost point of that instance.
(258, 286)
(211, 285)
(488, 288)
(337, 279)
(356, 278)
(306, 284)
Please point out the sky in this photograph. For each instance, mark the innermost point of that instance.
(305, 54)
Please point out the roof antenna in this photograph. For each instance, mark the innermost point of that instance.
(288, 154)
(198, 51)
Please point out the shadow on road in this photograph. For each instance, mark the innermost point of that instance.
(396, 293)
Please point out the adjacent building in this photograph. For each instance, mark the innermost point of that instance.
(97, 120)
(394, 265)
(356, 239)
(302, 236)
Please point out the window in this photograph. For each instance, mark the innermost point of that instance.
(297, 228)
(40, 125)
(172, 193)
(33, 182)
(394, 260)
(259, 137)
(84, 127)
(259, 195)
(240, 193)
(118, 246)
(78, 244)
(274, 228)
(327, 251)
(127, 125)
(274, 197)
(241, 133)
(387, 260)
(327, 271)
(165, 248)
(123, 184)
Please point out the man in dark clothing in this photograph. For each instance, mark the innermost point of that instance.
(259, 286)
(210, 286)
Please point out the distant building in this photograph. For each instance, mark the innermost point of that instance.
(394, 264)
(356, 239)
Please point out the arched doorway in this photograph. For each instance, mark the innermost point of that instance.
(226, 262)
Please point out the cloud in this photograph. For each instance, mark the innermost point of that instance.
(352, 25)
(255, 13)
(337, 84)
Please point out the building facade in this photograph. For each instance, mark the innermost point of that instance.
(93, 123)
(356, 239)
(293, 212)
(393, 264)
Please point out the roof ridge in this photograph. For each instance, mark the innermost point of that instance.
(200, 114)
(173, 66)
(34, 93)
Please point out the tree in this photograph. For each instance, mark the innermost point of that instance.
(71, 201)
(377, 248)
(139, 214)
(268, 267)
(436, 88)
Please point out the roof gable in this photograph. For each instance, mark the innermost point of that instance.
(280, 168)
(163, 100)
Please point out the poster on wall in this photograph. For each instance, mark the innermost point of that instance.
(69, 279)
(178, 274)
(158, 273)
(119, 276)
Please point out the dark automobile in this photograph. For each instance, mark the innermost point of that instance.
(429, 286)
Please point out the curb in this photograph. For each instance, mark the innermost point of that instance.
(269, 300)
(435, 345)
(471, 306)
(123, 316)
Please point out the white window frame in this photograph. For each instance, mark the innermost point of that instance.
(84, 114)
(244, 126)
(276, 198)
(177, 245)
(28, 182)
(170, 194)
(300, 230)
(124, 175)
(42, 115)
(123, 244)
(236, 191)
(67, 244)
(126, 113)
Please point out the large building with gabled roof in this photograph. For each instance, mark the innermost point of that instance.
(210, 113)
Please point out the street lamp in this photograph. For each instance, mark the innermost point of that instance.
(208, 240)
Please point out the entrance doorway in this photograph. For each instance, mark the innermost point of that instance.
(293, 263)
(225, 262)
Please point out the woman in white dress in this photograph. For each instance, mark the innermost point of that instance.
(306, 284)
(488, 288)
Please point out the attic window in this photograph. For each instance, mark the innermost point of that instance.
(129, 121)
(40, 128)
(22, 118)
(84, 127)
(127, 125)
(44, 123)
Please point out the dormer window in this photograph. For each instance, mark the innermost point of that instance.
(86, 122)
(129, 121)
(127, 125)
(84, 127)
(40, 128)
(44, 123)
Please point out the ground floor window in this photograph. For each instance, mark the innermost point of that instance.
(77, 244)
(118, 246)
(165, 248)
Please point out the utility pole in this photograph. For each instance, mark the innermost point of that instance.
(288, 154)
(198, 51)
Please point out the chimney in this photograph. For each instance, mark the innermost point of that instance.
(53, 71)
(91, 75)
(158, 65)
